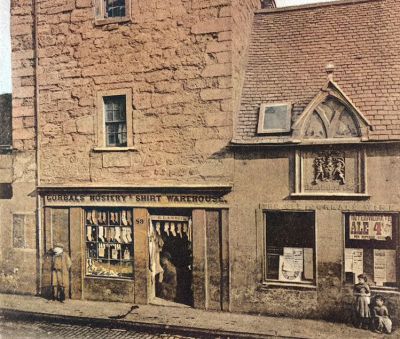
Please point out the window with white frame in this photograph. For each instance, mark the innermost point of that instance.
(290, 246)
(274, 118)
(114, 120)
(372, 248)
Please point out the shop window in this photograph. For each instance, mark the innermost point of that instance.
(109, 242)
(115, 120)
(372, 247)
(290, 247)
(274, 118)
(112, 11)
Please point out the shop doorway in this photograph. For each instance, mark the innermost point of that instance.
(171, 257)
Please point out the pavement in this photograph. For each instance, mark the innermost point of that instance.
(174, 320)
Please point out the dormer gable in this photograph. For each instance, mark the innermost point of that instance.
(331, 117)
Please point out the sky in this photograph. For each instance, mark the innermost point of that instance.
(5, 44)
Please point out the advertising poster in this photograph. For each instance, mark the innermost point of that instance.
(370, 227)
(379, 267)
(308, 264)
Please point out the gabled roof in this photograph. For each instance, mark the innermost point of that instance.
(290, 48)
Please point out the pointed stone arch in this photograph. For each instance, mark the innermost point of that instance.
(331, 116)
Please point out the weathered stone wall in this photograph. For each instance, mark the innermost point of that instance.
(17, 214)
(266, 177)
(242, 18)
(176, 56)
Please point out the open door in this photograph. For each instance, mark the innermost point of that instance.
(171, 258)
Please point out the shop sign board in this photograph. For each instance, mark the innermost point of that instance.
(130, 199)
(370, 227)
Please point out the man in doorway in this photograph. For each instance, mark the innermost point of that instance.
(60, 269)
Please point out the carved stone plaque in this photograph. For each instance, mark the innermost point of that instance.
(328, 172)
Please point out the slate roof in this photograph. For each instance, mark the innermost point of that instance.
(290, 48)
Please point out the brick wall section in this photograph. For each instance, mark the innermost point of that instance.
(23, 75)
(290, 48)
(176, 56)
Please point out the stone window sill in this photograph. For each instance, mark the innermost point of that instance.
(114, 149)
(108, 21)
(108, 278)
(281, 284)
(379, 289)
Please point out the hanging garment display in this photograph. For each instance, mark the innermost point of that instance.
(190, 230)
(101, 250)
(117, 236)
(166, 227)
(89, 233)
(124, 221)
(101, 233)
(172, 226)
(89, 217)
(127, 255)
(158, 228)
(94, 217)
(129, 217)
(179, 229)
(123, 235)
(185, 228)
(129, 235)
(154, 253)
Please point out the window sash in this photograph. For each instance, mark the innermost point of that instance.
(115, 121)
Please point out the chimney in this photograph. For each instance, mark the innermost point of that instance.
(268, 4)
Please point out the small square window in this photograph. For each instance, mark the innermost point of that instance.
(274, 118)
(108, 11)
(290, 258)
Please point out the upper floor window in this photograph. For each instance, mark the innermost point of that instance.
(5, 122)
(114, 8)
(112, 11)
(274, 118)
(114, 120)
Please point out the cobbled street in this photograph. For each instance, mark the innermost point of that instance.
(22, 329)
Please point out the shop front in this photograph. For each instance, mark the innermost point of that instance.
(160, 246)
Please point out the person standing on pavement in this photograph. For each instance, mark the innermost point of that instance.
(362, 294)
(60, 269)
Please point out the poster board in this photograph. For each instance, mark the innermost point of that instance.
(370, 227)
(284, 273)
(384, 266)
(354, 261)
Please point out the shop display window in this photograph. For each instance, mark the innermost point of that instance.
(109, 242)
(372, 247)
(290, 247)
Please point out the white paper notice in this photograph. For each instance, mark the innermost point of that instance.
(348, 259)
(391, 266)
(298, 259)
(358, 261)
(288, 262)
(379, 267)
(308, 264)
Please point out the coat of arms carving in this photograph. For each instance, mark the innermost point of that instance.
(329, 167)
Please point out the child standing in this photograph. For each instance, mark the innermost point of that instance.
(362, 293)
(382, 321)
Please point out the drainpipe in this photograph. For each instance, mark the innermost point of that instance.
(37, 155)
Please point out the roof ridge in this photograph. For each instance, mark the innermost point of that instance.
(312, 6)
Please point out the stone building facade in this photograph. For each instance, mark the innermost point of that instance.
(143, 120)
